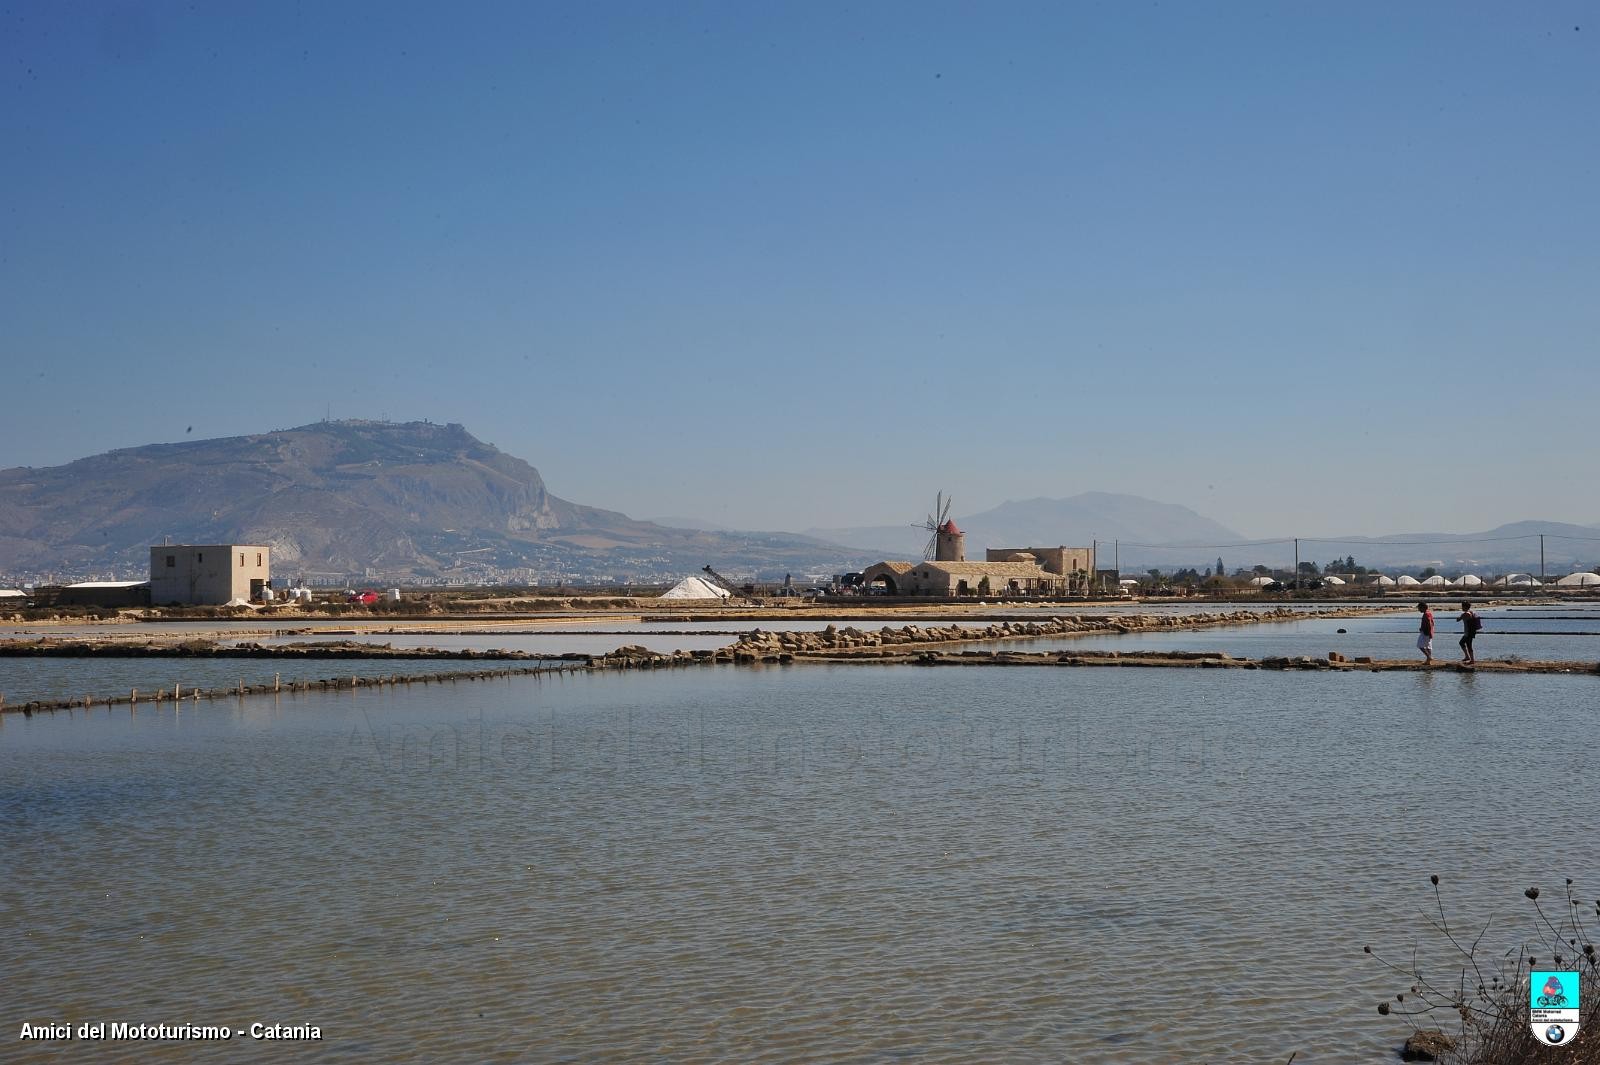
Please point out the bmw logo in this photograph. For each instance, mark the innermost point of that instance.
(1554, 1034)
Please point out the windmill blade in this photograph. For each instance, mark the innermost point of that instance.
(944, 515)
(932, 547)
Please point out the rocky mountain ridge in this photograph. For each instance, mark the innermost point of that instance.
(411, 500)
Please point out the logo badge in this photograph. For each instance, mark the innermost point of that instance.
(1553, 1006)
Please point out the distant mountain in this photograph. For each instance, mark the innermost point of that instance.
(699, 524)
(1076, 521)
(412, 500)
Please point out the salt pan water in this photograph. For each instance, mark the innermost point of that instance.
(771, 864)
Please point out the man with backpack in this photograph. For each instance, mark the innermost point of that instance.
(1471, 625)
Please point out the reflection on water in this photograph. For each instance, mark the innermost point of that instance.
(772, 864)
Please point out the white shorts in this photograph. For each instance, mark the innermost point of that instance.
(1425, 643)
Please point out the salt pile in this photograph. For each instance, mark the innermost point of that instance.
(694, 588)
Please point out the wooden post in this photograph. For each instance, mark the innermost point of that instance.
(133, 696)
(177, 692)
(275, 682)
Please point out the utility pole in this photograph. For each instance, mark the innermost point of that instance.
(1116, 557)
(1541, 557)
(1296, 583)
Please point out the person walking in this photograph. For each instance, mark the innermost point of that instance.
(1425, 633)
(1471, 625)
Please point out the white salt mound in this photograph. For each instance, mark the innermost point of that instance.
(694, 588)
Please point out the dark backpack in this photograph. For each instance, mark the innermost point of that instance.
(1474, 624)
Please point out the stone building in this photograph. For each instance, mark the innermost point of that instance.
(208, 574)
(949, 543)
(1007, 571)
(1076, 564)
(889, 577)
(950, 579)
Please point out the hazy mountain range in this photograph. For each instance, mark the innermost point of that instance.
(1076, 520)
(341, 498)
(420, 500)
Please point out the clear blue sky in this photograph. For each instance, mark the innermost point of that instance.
(1322, 269)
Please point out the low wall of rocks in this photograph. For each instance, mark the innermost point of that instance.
(764, 646)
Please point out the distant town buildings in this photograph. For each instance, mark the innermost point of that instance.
(208, 574)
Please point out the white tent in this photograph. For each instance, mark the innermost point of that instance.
(1407, 580)
(1333, 580)
(1467, 580)
(692, 587)
(1384, 582)
(1260, 582)
(1579, 580)
(1525, 580)
(1436, 581)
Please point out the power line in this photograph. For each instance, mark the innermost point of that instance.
(1362, 543)
(1418, 543)
(1435, 543)
(1211, 547)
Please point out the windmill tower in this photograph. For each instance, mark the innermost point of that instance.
(946, 543)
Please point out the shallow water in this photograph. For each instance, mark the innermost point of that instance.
(26, 679)
(1528, 633)
(861, 863)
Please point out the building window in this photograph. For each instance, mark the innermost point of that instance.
(172, 561)
(241, 560)
(258, 558)
(199, 556)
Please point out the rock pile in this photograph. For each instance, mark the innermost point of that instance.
(763, 646)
